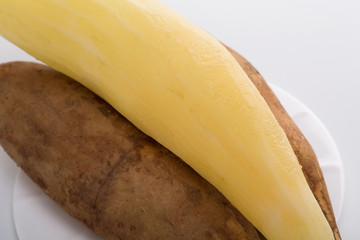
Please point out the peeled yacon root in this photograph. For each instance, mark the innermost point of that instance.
(303, 150)
(180, 86)
(100, 168)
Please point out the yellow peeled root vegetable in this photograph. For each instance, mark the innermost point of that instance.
(183, 88)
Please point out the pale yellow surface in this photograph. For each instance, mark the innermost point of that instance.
(180, 86)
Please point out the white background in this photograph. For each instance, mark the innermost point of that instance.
(309, 48)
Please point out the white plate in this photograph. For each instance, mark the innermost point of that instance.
(37, 217)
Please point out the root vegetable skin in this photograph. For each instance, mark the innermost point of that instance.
(101, 169)
(50, 93)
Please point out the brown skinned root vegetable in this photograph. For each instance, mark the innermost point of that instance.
(100, 168)
(113, 178)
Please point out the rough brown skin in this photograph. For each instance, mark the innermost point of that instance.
(303, 150)
(100, 168)
(58, 128)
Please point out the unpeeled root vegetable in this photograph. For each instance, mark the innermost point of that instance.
(35, 140)
(101, 169)
(180, 86)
